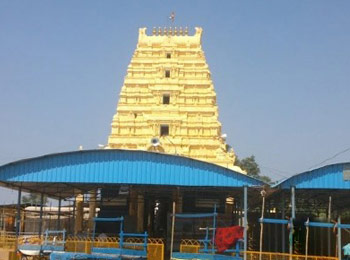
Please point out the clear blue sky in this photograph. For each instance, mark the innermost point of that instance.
(281, 70)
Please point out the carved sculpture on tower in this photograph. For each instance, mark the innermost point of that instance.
(168, 103)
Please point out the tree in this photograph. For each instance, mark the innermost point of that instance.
(34, 199)
(252, 168)
(265, 178)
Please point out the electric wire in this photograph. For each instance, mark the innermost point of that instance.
(330, 158)
(277, 171)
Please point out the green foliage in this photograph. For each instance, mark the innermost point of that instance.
(249, 165)
(252, 168)
(265, 178)
(34, 199)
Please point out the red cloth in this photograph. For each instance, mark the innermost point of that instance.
(227, 237)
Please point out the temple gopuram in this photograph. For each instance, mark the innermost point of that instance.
(168, 102)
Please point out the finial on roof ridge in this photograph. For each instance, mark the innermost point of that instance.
(170, 31)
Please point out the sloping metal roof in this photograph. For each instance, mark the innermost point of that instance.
(335, 176)
(92, 167)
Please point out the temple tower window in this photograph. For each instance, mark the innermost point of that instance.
(164, 130)
(166, 99)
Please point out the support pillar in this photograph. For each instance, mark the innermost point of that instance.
(78, 225)
(172, 230)
(329, 220)
(59, 214)
(178, 198)
(132, 202)
(179, 203)
(245, 220)
(150, 215)
(269, 227)
(339, 238)
(41, 213)
(314, 231)
(291, 228)
(140, 212)
(92, 209)
(3, 220)
(263, 194)
(71, 226)
(18, 215)
(283, 216)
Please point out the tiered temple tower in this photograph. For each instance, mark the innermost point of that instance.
(168, 102)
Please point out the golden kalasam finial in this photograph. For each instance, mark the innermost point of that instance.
(159, 31)
(186, 30)
(180, 31)
(175, 31)
(154, 31)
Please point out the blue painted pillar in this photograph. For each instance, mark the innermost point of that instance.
(245, 223)
(18, 217)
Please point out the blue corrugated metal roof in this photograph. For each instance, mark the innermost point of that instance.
(327, 177)
(122, 167)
